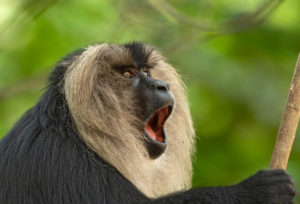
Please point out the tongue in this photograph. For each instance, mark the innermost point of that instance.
(155, 135)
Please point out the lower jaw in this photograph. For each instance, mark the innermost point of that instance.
(155, 148)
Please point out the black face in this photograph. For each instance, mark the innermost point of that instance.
(156, 102)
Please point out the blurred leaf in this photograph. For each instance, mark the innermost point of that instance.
(237, 84)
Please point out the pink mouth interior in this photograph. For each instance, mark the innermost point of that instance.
(154, 126)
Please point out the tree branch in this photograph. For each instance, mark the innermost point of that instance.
(288, 124)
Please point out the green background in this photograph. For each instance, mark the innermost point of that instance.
(237, 79)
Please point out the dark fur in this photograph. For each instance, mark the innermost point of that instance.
(139, 54)
(43, 160)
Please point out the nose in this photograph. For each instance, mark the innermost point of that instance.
(161, 86)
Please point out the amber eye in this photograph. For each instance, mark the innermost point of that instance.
(127, 74)
(146, 72)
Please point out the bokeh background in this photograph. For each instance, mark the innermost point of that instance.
(236, 58)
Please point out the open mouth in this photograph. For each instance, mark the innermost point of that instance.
(154, 127)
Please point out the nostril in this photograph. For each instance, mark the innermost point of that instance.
(161, 86)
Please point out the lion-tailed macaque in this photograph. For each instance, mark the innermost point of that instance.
(114, 126)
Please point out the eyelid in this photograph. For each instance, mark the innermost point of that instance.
(130, 74)
(131, 71)
(146, 72)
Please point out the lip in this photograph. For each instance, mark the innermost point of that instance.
(155, 141)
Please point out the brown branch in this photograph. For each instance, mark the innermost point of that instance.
(22, 86)
(288, 124)
(238, 23)
(26, 12)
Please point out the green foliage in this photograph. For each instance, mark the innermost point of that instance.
(237, 83)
